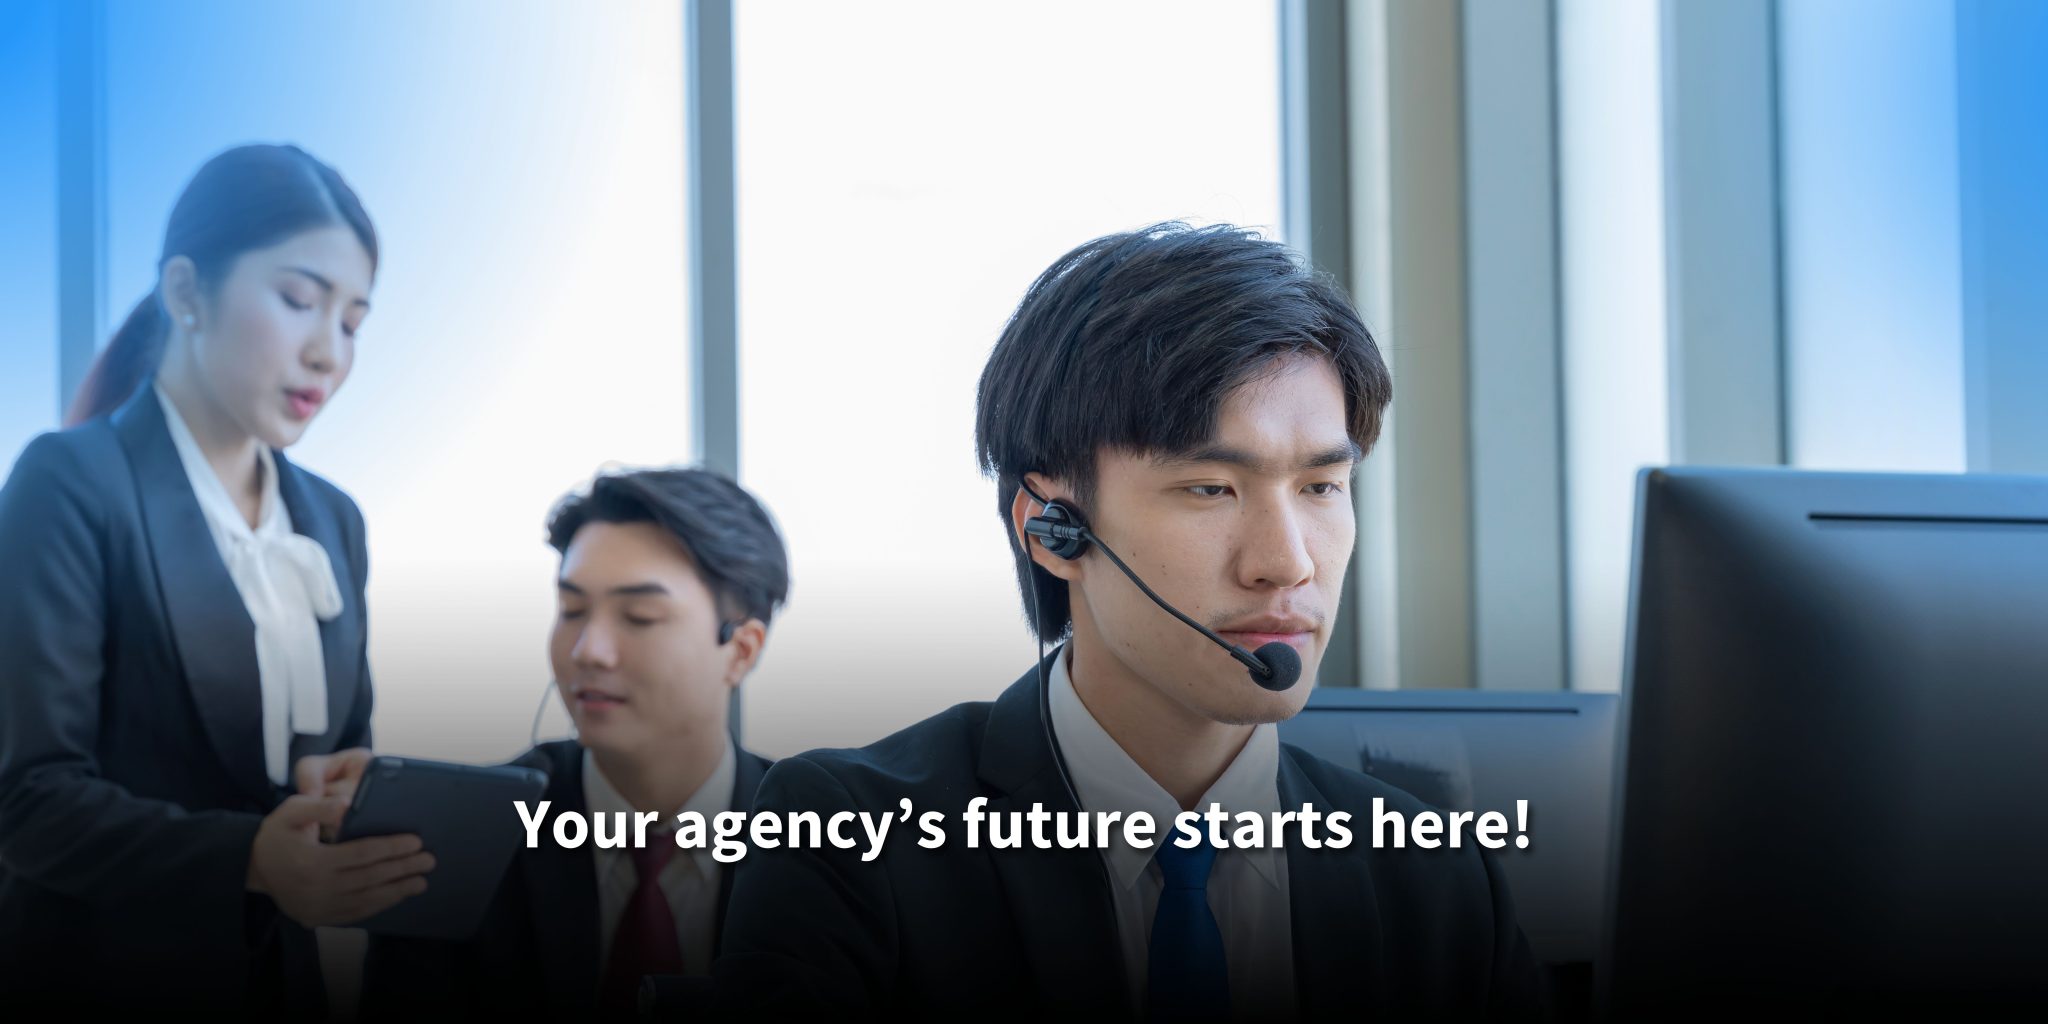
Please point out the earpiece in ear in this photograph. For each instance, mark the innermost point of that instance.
(1060, 529)
(725, 632)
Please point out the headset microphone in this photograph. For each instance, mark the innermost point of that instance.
(1275, 666)
(533, 734)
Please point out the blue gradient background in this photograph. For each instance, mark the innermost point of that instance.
(524, 162)
(28, 223)
(524, 167)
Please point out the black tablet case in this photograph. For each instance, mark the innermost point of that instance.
(464, 816)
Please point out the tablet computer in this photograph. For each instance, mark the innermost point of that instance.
(464, 816)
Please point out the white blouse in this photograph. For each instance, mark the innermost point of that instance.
(287, 584)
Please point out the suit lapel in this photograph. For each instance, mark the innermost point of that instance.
(341, 636)
(1331, 906)
(561, 885)
(211, 630)
(1060, 899)
(746, 782)
(561, 889)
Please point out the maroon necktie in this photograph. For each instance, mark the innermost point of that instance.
(645, 942)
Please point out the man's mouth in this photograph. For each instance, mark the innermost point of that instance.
(1253, 633)
(591, 697)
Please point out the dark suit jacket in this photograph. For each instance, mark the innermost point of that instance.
(131, 750)
(537, 953)
(956, 933)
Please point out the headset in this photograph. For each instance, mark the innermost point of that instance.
(725, 631)
(1061, 530)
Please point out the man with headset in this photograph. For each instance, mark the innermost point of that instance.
(668, 581)
(1173, 417)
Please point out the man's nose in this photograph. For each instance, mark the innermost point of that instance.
(595, 647)
(1275, 549)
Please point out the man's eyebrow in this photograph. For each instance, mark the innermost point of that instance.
(629, 590)
(325, 284)
(1332, 455)
(1335, 455)
(638, 589)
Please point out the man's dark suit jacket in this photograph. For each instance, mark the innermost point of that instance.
(132, 774)
(537, 954)
(966, 934)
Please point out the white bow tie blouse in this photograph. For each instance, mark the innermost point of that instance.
(287, 584)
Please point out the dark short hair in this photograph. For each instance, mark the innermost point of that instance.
(1134, 341)
(735, 546)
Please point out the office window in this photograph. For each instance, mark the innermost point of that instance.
(1874, 289)
(905, 171)
(1611, 254)
(28, 208)
(524, 164)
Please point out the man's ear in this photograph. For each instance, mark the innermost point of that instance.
(749, 639)
(179, 287)
(1023, 506)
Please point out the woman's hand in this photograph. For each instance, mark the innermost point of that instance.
(335, 774)
(318, 883)
(332, 775)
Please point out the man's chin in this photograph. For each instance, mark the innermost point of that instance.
(601, 734)
(1258, 706)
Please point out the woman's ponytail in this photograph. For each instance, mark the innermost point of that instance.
(128, 360)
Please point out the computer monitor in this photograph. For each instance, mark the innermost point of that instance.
(1834, 768)
(1478, 750)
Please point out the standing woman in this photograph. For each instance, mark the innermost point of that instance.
(181, 621)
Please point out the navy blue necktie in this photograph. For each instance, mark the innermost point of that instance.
(1186, 972)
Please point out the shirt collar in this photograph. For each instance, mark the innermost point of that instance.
(214, 500)
(714, 796)
(1106, 779)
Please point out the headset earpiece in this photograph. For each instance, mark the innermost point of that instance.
(725, 630)
(1060, 529)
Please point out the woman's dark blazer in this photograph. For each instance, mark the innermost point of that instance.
(132, 774)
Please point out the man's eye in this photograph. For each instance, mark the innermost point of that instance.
(1325, 488)
(1209, 490)
(294, 303)
(570, 614)
(640, 620)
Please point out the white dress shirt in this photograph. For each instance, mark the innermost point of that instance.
(1247, 888)
(690, 881)
(287, 584)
